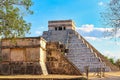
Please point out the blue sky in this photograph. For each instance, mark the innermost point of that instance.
(85, 14)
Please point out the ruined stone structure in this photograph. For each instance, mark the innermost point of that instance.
(57, 63)
(60, 50)
(81, 53)
(33, 55)
(24, 56)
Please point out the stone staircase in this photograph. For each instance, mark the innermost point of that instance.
(84, 54)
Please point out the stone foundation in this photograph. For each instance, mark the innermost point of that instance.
(17, 68)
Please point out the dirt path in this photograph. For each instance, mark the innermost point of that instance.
(108, 76)
(39, 77)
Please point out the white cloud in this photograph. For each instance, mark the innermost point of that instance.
(90, 28)
(38, 32)
(96, 38)
(103, 29)
(118, 33)
(114, 34)
(42, 27)
(118, 43)
(99, 39)
(109, 54)
(100, 3)
(86, 27)
(92, 38)
(93, 33)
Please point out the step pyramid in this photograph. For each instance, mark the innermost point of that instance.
(81, 53)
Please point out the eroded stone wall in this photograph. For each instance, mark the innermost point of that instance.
(22, 56)
(57, 63)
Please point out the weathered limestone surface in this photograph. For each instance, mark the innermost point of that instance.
(57, 63)
(23, 56)
(61, 25)
(81, 53)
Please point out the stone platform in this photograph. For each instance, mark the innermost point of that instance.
(42, 77)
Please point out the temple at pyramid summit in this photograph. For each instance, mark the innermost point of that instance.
(80, 52)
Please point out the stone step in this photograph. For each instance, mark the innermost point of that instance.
(82, 53)
(75, 40)
(81, 56)
(76, 46)
(80, 50)
(77, 52)
(75, 43)
(83, 60)
(91, 65)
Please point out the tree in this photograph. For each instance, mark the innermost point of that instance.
(111, 16)
(117, 63)
(12, 23)
(111, 60)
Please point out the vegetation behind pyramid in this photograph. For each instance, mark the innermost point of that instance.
(81, 53)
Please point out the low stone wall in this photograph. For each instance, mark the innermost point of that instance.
(15, 68)
(23, 56)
